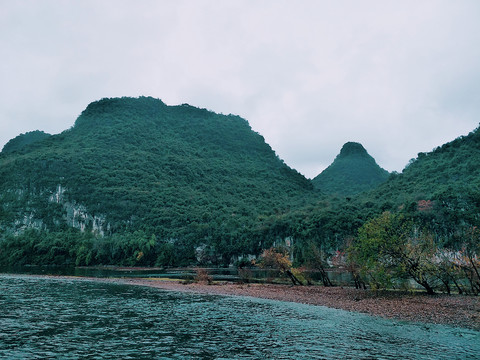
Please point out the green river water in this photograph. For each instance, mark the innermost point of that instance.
(50, 318)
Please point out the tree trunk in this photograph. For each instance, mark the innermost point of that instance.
(425, 284)
(325, 279)
(427, 287)
(447, 285)
(474, 267)
(477, 283)
(293, 278)
(471, 279)
(359, 284)
(460, 290)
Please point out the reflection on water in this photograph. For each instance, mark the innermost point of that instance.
(71, 319)
(339, 277)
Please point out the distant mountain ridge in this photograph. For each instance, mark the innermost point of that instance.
(353, 171)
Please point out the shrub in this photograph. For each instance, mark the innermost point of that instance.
(202, 276)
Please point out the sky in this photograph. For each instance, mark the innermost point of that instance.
(400, 77)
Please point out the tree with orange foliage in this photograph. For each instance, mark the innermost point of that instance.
(278, 260)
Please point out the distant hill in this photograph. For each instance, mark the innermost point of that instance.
(448, 177)
(352, 172)
(23, 140)
(184, 176)
(439, 190)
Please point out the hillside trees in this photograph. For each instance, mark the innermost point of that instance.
(23, 140)
(352, 172)
(188, 176)
(166, 181)
(469, 259)
(391, 247)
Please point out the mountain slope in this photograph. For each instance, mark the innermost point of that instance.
(178, 173)
(23, 140)
(439, 191)
(450, 171)
(352, 171)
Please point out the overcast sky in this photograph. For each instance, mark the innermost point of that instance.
(400, 77)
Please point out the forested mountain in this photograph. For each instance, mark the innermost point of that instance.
(175, 176)
(450, 170)
(441, 187)
(439, 191)
(23, 140)
(352, 172)
(137, 182)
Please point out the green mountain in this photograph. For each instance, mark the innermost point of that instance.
(352, 172)
(23, 140)
(439, 191)
(145, 183)
(442, 186)
(449, 169)
(137, 182)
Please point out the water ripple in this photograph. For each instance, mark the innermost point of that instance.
(68, 319)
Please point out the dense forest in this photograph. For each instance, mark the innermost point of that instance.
(23, 140)
(137, 182)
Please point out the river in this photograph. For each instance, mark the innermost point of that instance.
(42, 318)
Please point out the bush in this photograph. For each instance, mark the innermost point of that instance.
(202, 276)
(245, 275)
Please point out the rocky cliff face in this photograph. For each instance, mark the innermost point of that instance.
(62, 213)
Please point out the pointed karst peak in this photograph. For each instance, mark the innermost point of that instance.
(352, 172)
(352, 148)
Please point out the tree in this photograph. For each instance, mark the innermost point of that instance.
(391, 247)
(278, 260)
(352, 264)
(470, 259)
(315, 258)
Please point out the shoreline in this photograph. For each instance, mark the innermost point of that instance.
(453, 310)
